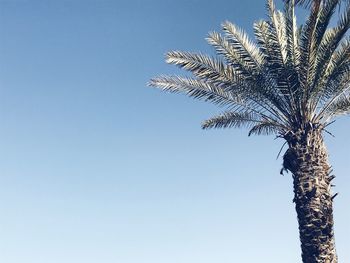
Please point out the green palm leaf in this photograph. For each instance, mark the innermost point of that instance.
(243, 47)
(340, 106)
(196, 89)
(202, 66)
(266, 128)
(232, 119)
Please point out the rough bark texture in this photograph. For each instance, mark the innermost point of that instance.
(307, 159)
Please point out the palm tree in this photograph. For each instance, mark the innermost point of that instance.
(293, 81)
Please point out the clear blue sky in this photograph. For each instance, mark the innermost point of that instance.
(96, 167)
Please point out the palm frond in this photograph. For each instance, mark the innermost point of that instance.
(334, 72)
(328, 60)
(337, 107)
(196, 89)
(243, 47)
(306, 3)
(292, 45)
(332, 39)
(204, 67)
(232, 119)
(308, 51)
(310, 3)
(265, 128)
(324, 16)
(277, 34)
(228, 52)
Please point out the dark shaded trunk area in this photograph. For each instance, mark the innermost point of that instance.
(307, 159)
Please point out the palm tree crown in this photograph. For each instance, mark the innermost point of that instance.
(291, 77)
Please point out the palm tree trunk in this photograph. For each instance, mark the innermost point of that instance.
(307, 159)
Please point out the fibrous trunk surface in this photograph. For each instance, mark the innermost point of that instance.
(307, 159)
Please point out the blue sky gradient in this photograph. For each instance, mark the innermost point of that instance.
(97, 167)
